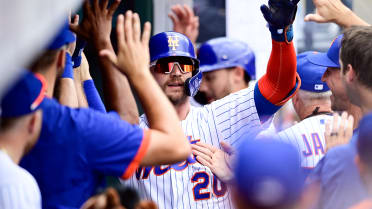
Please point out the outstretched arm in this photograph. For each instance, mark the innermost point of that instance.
(167, 143)
(96, 29)
(185, 21)
(280, 82)
(334, 11)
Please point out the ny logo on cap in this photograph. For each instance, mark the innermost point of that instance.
(173, 42)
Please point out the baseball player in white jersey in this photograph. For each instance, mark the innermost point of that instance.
(313, 106)
(189, 184)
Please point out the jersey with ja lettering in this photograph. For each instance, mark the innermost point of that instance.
(189, 184)
(308, 137)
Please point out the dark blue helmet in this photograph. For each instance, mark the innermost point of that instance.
(173, 44)
(219, 53)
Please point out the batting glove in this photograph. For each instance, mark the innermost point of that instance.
(280, 15)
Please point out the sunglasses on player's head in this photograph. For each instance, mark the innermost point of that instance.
(166, 65)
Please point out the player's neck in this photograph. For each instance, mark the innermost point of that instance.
(183, 109)
(356, 112)
(365, 100)
(309, 111)
(11, 146)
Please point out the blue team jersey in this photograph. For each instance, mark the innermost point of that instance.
(77, 148)
(341, 185)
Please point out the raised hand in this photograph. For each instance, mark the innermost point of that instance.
(185, 21)
(327, 11)
(71, 47)
(280, 13)
(133, 50)
(215, 159)
(334, 11)
(96, 24)
(340, 132)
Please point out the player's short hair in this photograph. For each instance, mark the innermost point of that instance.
(45, 60)
(8, 123)
(356, 50)
(314, 96)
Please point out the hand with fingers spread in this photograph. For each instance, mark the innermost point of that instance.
(280, 15)
(219, 161)
(334, 11)
(185, 21)
(133, 56)
(96, 24)
(340, 132)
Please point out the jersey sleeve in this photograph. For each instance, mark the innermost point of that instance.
(93, 98)
(232, 116)
(339, 179)
(281, 80)
(110, 145)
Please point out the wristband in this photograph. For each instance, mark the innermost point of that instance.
(68, 71)
(76, 57)
(282, 35)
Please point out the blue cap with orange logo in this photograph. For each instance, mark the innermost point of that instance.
(331, 58)
(24, 96)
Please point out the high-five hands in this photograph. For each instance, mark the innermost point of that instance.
(133, 56)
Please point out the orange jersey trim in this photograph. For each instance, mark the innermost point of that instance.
(139, 156)
(42, 93)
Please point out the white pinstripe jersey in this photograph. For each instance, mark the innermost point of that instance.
(18, 188)
(308, 137)
(189, 184)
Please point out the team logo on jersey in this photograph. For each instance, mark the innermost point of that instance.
(173, 42)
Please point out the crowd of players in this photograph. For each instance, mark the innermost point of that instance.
(58, 141)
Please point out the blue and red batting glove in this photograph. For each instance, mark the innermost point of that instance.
(280, 15)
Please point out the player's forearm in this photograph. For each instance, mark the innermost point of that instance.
(92, 95)
(280, 77)
(349, 18)
(154, 103)
(82, 101)
(117, 92)
(67, 90)
(67, 93)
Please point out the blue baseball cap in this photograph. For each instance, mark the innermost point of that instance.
(331, 58)
(220, 53)
(268, 172)
(364, 144)
(24, 96)
(63, 37)
(310, 74)
(170, 44)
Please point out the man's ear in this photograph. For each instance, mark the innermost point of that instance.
(296, 100)
(350, 73)
(238, 74)
(31, 126)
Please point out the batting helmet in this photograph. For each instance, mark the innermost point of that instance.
(223, 52)
(173, 44)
